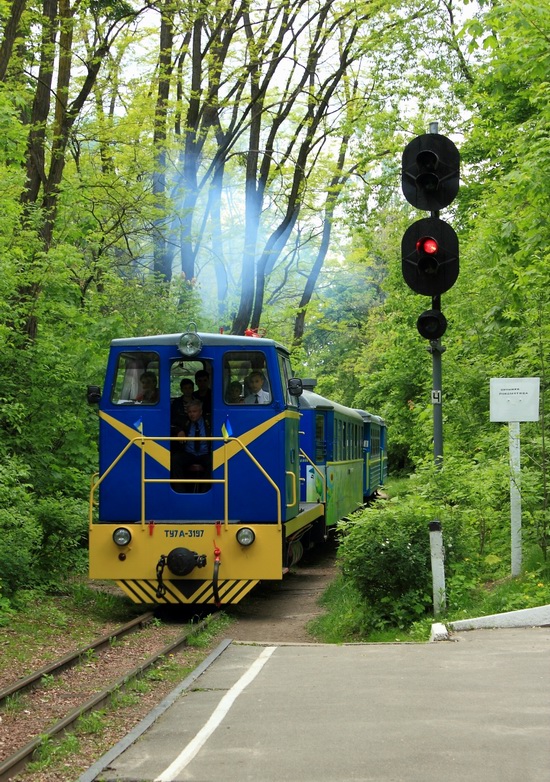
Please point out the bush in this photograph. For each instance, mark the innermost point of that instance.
(6, 611)
(64, 525)
(385, 552)
(42, 541)
(20, 535)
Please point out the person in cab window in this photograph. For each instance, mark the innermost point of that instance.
(149, 392)
(233, 395)
(178, 410)
(203, 392)
(257, 396)
(194, 452)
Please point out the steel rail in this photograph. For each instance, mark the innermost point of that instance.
(17, 762)
(73, 658)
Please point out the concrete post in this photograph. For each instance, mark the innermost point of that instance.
(437, 553)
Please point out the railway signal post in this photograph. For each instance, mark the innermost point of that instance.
(429, 249)
(430, 176)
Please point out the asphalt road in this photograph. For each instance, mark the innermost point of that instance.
(475, 708)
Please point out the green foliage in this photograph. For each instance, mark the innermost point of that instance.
(7, 612)
(385, 553)
(385, 559)
(20, 534)
(41, 539)
(470, 595)
(64, 525)
(101, 605)
(474, 490)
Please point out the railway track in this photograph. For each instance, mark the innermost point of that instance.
(45, 693)
(58, 666)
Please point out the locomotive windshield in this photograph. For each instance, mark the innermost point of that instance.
(136, 379)
(246, 379)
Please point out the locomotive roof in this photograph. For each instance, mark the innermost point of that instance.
(311, 400)
(226, 340)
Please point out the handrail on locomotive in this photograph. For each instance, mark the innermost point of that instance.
(140, 441)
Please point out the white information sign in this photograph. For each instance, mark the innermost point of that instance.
(515, 399)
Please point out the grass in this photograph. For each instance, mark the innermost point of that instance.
(349, 618)
(15, 703)
(79, 616)
(51, 751)
(529, 590)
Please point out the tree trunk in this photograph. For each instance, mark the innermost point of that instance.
(36, 165)
(10, 36)
(162, 255)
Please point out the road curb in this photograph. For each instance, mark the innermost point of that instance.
(439, 632)
(528, 617)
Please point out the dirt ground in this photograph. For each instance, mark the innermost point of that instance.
(280, 612)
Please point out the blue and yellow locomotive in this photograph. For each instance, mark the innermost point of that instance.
(216, 467)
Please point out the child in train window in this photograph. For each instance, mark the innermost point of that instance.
(258, 394)
(234, 392)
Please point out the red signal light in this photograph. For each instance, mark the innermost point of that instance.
(427, 245)
(429, 256)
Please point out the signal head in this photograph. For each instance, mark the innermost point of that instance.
(430, 172)
(429, 253)
(431, 324)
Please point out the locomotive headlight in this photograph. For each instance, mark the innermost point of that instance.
(190, 344)
(122, 536)
(246, 536)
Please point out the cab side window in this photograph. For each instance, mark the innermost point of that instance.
(286, 374)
